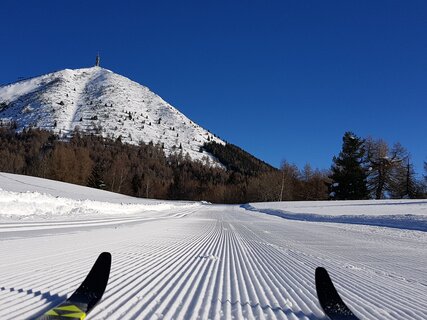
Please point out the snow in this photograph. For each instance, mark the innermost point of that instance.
(406, 214)
(190, 260)
(98, 101)
(32, 205)
(21, 183)
(50, 200)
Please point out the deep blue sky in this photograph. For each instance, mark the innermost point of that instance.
(282, 79)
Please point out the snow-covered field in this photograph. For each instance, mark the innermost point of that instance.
(403, 214)
(184, 260)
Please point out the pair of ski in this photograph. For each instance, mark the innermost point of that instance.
(90, 292)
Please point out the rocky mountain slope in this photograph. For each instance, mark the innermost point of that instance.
(99, 101)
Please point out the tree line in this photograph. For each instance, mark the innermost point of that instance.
(360, 171)
(371, 169)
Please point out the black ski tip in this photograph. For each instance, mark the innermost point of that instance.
(93, 287)
(329, 299)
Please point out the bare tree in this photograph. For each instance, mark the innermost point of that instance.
(289, 181)
(425, 171)
(314, 184)
(385, 165)
(404, 183)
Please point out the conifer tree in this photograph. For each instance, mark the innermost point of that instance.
(348, 173)
(95, 179)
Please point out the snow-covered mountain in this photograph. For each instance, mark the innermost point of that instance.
(97, 100)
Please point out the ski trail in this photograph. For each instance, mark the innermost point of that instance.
(213, 262)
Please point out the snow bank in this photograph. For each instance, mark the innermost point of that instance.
(30, 205)
(25, 197)
(405, 214)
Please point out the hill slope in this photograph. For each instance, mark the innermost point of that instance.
(97, 100)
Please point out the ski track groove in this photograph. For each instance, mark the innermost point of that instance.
(152, 273)
(210, 276)
(178, 279)
(189, 290)
(196, 264)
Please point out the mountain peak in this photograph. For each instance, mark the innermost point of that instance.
(98, 101)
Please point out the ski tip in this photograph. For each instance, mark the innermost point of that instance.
(103, 262)
(96, 281)
(101, 267)
(105, 256)
(329, 299)
(321, 272)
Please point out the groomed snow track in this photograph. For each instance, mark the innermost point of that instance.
(216, 262)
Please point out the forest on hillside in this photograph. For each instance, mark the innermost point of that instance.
(145, 171)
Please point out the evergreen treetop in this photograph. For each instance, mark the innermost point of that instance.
(348, 173)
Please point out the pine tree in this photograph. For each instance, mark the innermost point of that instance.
(348, 174)
(96, 177)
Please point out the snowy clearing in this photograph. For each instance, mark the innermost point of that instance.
(183, 260)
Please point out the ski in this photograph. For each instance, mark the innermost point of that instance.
(84, 299)
(329, 298)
